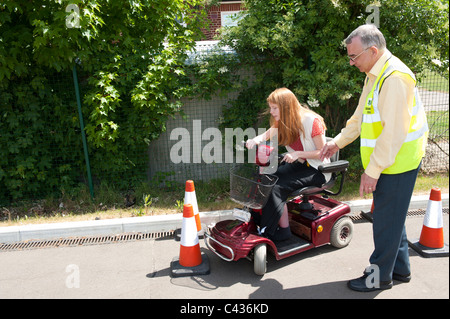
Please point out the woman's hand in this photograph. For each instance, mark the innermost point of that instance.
(250, 144)
(292, 157)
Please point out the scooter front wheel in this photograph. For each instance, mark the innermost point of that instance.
(259, 259)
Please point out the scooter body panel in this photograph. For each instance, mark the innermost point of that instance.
(310, 229)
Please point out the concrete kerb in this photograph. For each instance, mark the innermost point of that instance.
(146, 224)
(149, 224)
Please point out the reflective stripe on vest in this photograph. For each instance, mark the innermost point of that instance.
(413, 148)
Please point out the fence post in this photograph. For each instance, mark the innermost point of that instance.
(83, 133)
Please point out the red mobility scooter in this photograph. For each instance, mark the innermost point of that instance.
(315, 219)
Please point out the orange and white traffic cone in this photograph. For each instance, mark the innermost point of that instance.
(190, 198)
(432, 235)
(431, 242)
(190, 261)
(190, 255)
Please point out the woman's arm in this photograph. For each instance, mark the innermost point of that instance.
(319, 142)
(260, 138)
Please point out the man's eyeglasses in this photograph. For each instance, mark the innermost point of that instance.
(354, 58)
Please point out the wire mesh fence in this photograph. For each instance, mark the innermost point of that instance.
(62, 157)
(434, 92)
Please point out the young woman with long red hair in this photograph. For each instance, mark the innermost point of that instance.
(302, 132)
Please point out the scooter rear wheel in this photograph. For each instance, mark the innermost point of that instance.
(259, 259)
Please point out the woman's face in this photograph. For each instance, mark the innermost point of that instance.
(274, 111)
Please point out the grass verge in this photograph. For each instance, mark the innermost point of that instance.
(149, 201)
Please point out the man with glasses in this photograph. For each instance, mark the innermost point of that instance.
(392, 126)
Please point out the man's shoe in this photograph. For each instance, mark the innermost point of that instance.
(402, 278)
(398, 277)
(359, 284)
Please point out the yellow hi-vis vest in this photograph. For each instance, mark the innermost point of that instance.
(413, 148)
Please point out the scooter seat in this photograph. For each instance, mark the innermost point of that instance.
(339, 166)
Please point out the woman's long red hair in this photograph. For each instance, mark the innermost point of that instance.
(291, 112)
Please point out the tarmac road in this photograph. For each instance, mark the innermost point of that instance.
(141, 269)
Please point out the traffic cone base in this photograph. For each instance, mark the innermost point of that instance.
(177, 270)
(201, 233)
(428, 252)
(190, 261)
(368, 215)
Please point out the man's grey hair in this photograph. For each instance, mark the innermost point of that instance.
(370, 36)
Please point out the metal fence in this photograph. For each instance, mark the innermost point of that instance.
(434, 92)
(156, 164)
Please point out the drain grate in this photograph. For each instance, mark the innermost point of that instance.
(411, 213)
(84, 241)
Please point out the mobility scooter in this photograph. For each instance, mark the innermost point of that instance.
(315, 219)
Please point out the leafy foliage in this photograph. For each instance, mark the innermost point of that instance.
(130, 61)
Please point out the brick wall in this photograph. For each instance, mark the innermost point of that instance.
(215, 17)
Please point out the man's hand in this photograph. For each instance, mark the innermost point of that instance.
(368, 184)
(328, 150)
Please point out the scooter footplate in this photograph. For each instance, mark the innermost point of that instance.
(290, 245)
